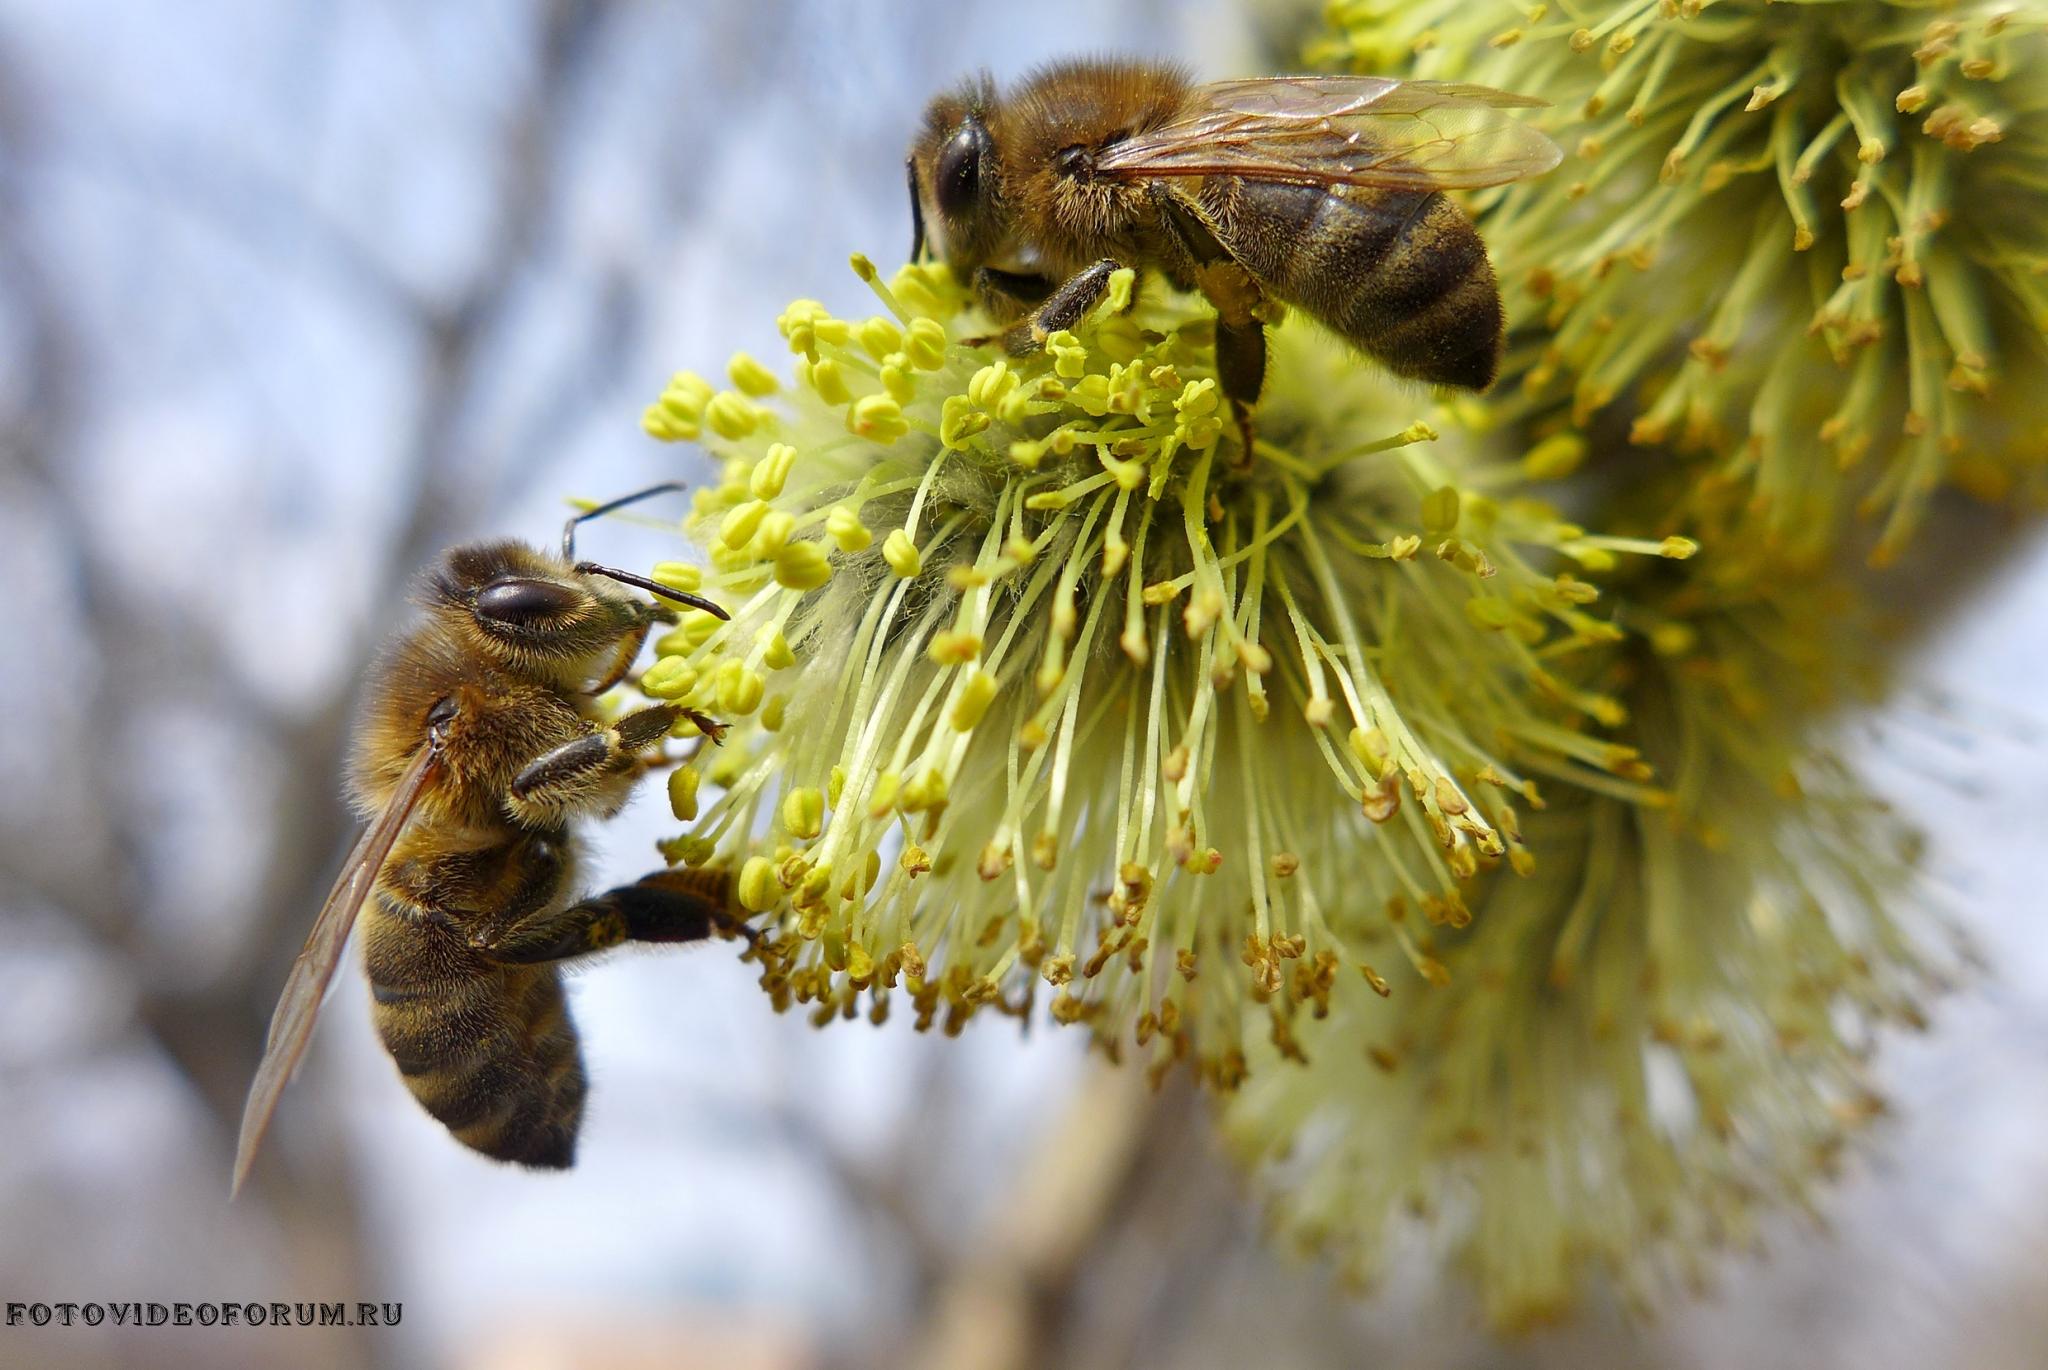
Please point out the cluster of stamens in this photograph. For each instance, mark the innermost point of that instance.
(1036, 680)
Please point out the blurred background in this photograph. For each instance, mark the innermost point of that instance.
(295, 293)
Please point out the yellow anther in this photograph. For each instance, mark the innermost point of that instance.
(670, 677)
(901, 554)
(828, 380)
(679, 575)
(843, 526)
(959, 420)
(898, 381)
(880, 337)
(738, 527)
(973, 701)
(758, 888)
(952, 648)
(738, 690)
(732, 415)
(769, 473)
(877, 418)
(803, 812)
(1440, 510)
(750, 376)
(682, 792)
(926, 345)
(801, 566)
(777, 525)
(1556, 457)
(882, 798)
(991, 384)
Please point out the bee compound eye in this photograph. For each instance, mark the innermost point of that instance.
(957, 179)
(521, 600)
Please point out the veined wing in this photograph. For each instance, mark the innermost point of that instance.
(1343, 130)
(291, 1025)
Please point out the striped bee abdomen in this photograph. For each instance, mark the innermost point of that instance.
(489, 1050)
(1402, 274)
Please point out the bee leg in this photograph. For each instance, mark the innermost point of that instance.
(667, 906)
(479, 888)
(1241, 367)
(582, 773)
(630, 644)
(1239, 301)
(1064, 308)
(1006, 295)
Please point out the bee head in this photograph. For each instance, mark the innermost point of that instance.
(521, 607)
(955, 181)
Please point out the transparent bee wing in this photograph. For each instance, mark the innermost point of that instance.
(291, 1025)
(1343, 130)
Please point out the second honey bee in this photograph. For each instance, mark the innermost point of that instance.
(1321, 192)
(478, 746)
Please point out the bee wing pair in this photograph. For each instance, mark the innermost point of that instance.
(291, 1026)
(1342, 130)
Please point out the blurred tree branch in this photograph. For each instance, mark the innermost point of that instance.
(87, 852)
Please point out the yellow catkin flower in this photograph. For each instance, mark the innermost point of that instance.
(1092, 651)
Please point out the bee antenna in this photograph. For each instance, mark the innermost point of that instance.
(569, 528)
(916, 211)
(653, 587)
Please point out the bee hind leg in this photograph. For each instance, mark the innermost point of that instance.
(667, 906)
(1241, 367)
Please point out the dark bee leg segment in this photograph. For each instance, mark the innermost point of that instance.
(557, 782)
(667, 906)
(916, 210)
(629, 648)
(1241, 367)
(1009, 293)
(1006, 295)
(511, 880)
(1064, 308)
(1240, 331)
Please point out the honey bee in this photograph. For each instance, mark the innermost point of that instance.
(1321, 192)
(478, 745)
